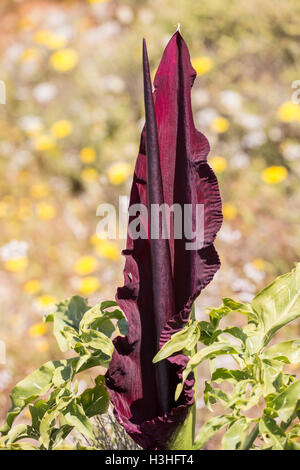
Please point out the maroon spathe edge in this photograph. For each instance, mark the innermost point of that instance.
(161, 278)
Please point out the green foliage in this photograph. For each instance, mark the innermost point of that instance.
(259, 379)
(51, 392)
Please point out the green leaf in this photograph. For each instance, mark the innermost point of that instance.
(233, 376)
(236, 333)
(204, 354)
(294, 431)
(30, 388)
(95, 400)
(244, 309)
(212, 351)
(184, 339)
(212, 394)
(272, 374)
(210, 428)
(277, 305)
(209, 332)
(272, 434)
(76, 417)
(59, 435)
(216, 314)
(47, 426)
(287, 402)
(287, 349)
(236, 434)
(98, 341)
(98, 318)
(37, 411)
(20, 431)
(66, 321)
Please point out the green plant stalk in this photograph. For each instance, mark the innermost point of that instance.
(194, 407)
(184, 437)
(251, 438)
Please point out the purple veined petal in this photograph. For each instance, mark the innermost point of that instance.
(161, 278)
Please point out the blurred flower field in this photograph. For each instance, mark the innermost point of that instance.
(69, 136)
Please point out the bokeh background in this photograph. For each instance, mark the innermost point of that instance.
(69, 135)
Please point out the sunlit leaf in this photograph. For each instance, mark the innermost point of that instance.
(210, 428)
(277, 305)
(185, 339)
(236, 434)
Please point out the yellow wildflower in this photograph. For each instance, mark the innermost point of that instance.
(88, 285)
(98, 1)
(274, 174)
(61, 129)
(45, 300)
(219, 124)
(289, 112)
(89, 174)
(47, 38)
(202, 64)
(229, 211)
(38, 329)
(86, 265)
(96, 239)
(218, 164)
(87, 155)
(39, 190)
(64, 60)
(108, 249)
(44, 142)
(259, 264)
(32, 287)
(30, 54)
(118, 173)
(26, 23)
(45, 211)
(16, 264)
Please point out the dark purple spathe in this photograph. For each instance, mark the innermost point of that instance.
(161, 278)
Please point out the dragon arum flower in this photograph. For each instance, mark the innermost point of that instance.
(162, 278)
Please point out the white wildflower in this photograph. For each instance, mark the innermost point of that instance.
(31, 124)
(5, 379)
(242, 284)
(200, 97)
(245, 296)
(205, 116)
(231, 100)
(44, 92)
(146, 15)
(239, 160)
(253, 273)
(228, 235)
(249, 121)
(13, 250)
(125, 14)
(291, 151)
(112, 83)
(275, 134)
(254, 139)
